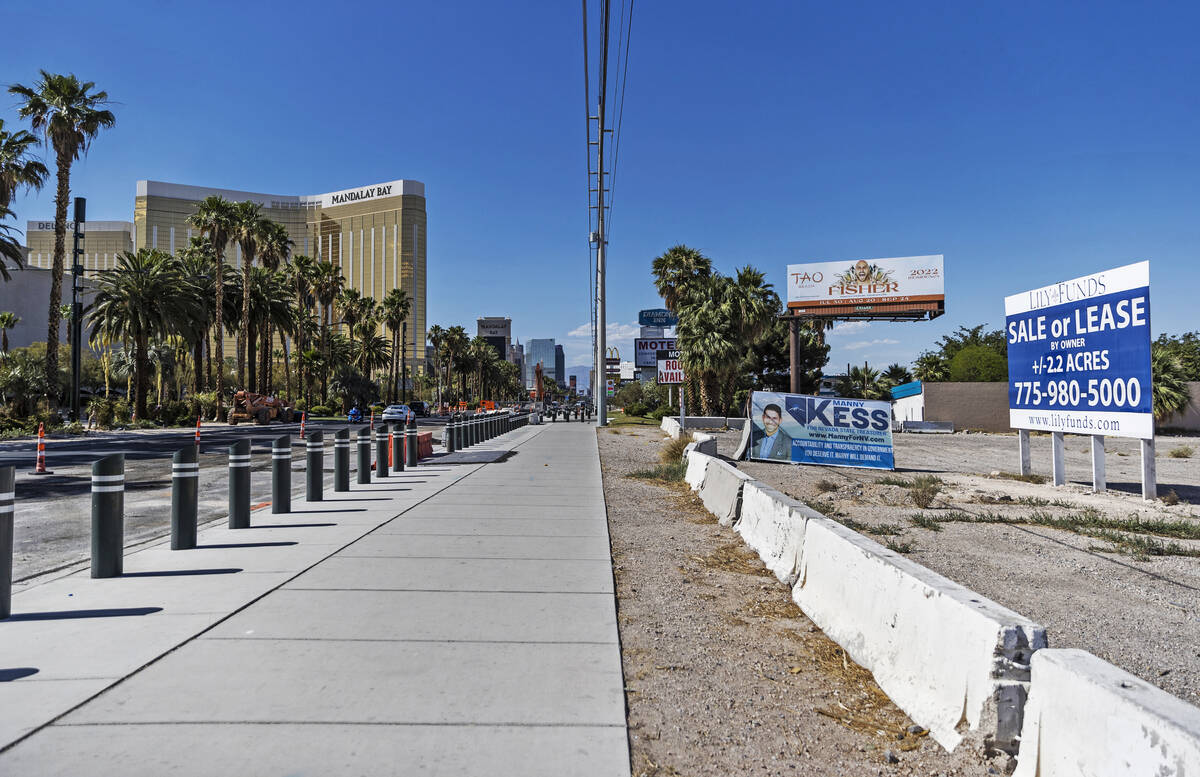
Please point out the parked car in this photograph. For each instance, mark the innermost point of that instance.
(397, 413)
(419, 408)
(355, 416)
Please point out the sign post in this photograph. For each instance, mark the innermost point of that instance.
(1079, 363)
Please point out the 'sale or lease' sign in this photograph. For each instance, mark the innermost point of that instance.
(1079, 355)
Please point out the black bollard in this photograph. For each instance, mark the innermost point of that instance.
(381, 452)
(108, 516)
(396, 440)
(8, 477)
(410, 442)
(239, 485)
(448, 436)
(364, 455)
(314, 468)
(472, 428)
(281, 474)
(460, 437)
(341, 460)
(185, 477)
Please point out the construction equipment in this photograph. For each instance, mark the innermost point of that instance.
(259, 408)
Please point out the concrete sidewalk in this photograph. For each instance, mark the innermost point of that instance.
(454, 619)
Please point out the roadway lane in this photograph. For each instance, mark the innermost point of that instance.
(53, 515)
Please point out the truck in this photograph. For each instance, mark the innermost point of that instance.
(260, 408)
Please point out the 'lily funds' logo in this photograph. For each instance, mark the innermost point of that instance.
(864, 278)
(362, 194)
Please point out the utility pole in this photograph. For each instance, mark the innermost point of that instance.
(403, 363)
(77, 308)
(601, 350)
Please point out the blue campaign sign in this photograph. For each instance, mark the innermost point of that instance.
(1079, 355)
(657, 317)
(833, 431)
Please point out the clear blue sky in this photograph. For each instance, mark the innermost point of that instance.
(1027, 143)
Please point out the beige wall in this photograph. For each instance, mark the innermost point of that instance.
(1189, 419)
(976, 406)
(102, 241)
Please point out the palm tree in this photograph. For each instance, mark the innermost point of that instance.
(483, 362)
(456, 348)
(68, 114)
(137, 301)
(1170, 389)
(897, 374)
(349, 304)
(17, 169)
(328, 283)
(678, 269)
(7, 321)
(396, 307)
(437, 338)
(197, 267)
(275, 248)
(10, 249)
(301, 272)
(249, 228)
(863, 382)
(214, 218)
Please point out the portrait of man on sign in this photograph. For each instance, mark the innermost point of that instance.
(863, 271)
(771, 441)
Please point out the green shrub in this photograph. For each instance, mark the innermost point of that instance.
(176, 413)
(636, 409)
(101, 411)
(1182, 452)
(660, 413)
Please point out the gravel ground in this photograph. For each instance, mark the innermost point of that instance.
(1135, 609)
(724, 675)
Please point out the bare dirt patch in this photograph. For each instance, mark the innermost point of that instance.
(1109, 573)
(724, 674)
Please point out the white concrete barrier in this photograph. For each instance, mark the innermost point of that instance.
(773, 524)
(705, 443)
(697, 466)
(721, 491)
(671, 426)
(943, 653)
(1087, 717)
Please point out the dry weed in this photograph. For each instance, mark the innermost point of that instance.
(733, 557)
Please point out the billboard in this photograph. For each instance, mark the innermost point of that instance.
(645, 350)
(833, 431)
(858, 286)
(670, 369)
(1079, 355)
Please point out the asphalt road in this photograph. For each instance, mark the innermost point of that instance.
(53, 512)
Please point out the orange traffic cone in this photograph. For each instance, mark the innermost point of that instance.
(40, 468)
(391, 435)
(372, 419)
(197, 431)
(303, 420)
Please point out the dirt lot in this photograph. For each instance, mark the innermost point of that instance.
(724, 675)
(1110, 573)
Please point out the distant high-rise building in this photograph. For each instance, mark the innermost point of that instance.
(516, 355)
(538, 352)
(560, 366)
(497, 330)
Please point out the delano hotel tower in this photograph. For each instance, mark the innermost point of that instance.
(375, 233)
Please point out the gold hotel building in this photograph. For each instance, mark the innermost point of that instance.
(375, 234)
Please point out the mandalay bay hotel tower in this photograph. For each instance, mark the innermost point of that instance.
(375, 233)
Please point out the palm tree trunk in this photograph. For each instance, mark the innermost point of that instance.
(141, 378)
(197, 365)
(218, 330)
(249, 361)
(61, 196)
(244, 333)
(287, 369)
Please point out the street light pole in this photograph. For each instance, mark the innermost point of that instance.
(403, 362)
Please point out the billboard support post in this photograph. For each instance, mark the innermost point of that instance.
(1058, 451)
(1023, 448)
(1099, 483)
(1149, 475)
(794, 354)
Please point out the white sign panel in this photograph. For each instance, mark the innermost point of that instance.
(1079, 355)
(645, 350)
(866, 282)
(670, 368)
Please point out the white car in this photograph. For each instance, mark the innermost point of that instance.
(397, 413)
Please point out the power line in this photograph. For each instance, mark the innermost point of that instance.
(620, 111)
